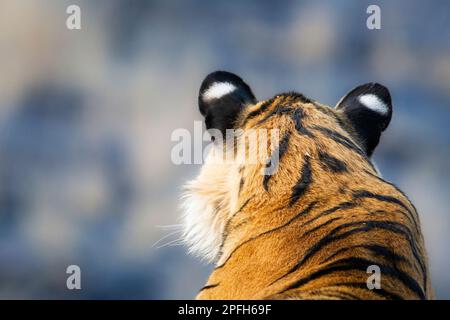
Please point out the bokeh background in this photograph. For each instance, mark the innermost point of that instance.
(86, 117)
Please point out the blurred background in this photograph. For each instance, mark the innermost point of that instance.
(86, 117)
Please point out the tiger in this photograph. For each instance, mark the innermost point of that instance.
(321, 225)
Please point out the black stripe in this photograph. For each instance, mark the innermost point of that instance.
(394, 272)
(325, 296)
(329, 221)
(399, 191)
(413, 214)
(227, 225)
(376, 249)
(275, 157)
(334, 294)
(297, 117)
(393, 186)
(347, 296)
(241, 184)
(293, 219)
(339, 138)
(241, 207)
(330, 112)
(325, 224)
(346, 142)
(361, 264)
(360, 194)
(303, 182)
(258, 111)
(332, 164)
(341, 206)
(210, 286)
(278, 110)
(366, 226)
(381, 292)
(296, 96)
(388, 254)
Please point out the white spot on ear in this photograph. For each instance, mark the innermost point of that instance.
(218, 90)
(374, 103)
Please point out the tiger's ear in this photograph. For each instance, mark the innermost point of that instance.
(223, 95)
(369, 110)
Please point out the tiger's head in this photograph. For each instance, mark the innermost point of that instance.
(319, 152)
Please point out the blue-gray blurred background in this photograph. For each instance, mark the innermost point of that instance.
(86, 118)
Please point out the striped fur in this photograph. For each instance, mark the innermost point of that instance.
(311, 230)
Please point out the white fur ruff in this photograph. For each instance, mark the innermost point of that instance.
(206, 205)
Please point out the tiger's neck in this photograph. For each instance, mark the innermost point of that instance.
(264, 242)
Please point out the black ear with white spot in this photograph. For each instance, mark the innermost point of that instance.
(369, 109)
(222, 97)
